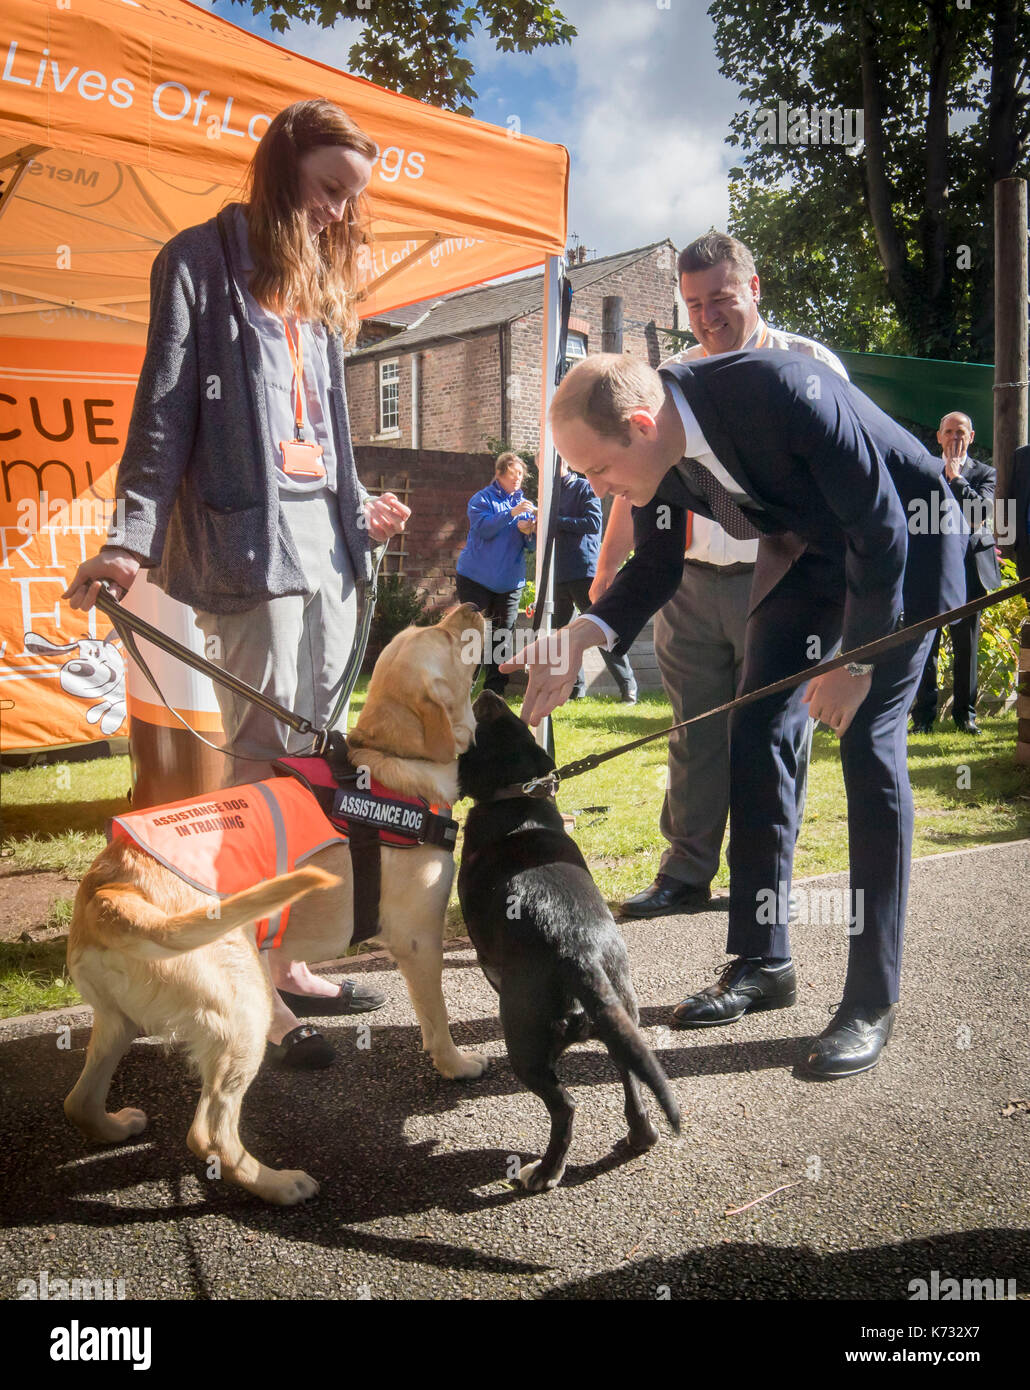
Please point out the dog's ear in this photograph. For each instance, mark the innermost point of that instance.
(42, 646)
(437, 725)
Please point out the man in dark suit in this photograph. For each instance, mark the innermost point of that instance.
(1020, 487)
(858, 529)
(972, 485)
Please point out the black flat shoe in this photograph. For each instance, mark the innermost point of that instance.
(354, 997)
(852, 1043)
(745, 986)
(303, 1049)
(922, 726)
(667, 895)
(967, 726)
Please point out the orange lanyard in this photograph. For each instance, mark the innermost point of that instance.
(296, 351)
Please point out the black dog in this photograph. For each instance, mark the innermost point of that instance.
(545, 938)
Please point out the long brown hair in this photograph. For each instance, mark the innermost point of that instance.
(294, 273)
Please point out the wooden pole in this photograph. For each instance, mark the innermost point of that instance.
(611, 323)
(1010, 338)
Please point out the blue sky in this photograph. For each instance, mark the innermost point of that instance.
(637, 99)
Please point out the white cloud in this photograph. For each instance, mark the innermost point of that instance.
(638, 100)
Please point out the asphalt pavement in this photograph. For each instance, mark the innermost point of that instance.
(919, 1165)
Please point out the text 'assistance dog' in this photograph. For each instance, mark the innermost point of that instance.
(149, 950)
(545, 937)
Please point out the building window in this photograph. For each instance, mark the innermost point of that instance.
(575, 348)
(389, 389)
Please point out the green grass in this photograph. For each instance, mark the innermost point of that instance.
(968, 792)
(33, 977)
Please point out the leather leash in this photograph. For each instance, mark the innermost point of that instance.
(869, 653)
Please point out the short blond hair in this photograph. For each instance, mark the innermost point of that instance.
(604, 390)
(506, 462)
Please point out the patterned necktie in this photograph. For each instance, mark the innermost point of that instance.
(725, 511)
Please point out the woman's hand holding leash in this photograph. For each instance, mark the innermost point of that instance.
(553, 662)
(385, 516)
(118, 567)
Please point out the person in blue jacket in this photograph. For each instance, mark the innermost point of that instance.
(491, 569)
(577, 545)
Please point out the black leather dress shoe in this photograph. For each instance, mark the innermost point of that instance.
(852, 1043)
(745, 986)
(967, 726)
(667, 895)
(922, 726)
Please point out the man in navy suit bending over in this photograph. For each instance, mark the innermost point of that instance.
(858, 533)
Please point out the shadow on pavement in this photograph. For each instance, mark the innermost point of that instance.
(751, 1270)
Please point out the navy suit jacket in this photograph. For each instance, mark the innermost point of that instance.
(836, 479)
(973, 490)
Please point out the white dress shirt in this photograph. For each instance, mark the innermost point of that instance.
(709, 543)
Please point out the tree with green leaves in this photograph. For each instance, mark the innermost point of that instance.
(890, 237)
(411, 46)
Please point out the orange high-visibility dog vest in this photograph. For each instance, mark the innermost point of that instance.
(235, 838)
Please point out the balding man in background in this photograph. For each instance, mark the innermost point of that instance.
(699, 634)
(972, 485)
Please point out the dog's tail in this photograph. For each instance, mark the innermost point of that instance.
(620, 1035)
(144, 930)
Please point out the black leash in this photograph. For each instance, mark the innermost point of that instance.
(869, 653)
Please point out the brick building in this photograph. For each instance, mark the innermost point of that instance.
(455, 374)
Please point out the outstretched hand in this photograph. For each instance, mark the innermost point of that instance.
(553, 663)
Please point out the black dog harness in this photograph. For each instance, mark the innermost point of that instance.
(369, 816)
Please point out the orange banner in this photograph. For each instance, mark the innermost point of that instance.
(64, 411)
(127, 120)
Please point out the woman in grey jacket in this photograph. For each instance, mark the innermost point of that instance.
(237, 488)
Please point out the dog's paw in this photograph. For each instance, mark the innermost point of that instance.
(130, 1121)
(289, 1186)
(532, 1181)
(639, 1141)
(462, 1066)
(117, 1128)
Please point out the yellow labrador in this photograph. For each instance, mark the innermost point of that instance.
(144, 951)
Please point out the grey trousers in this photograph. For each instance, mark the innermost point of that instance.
(294, 649)
(699, 643)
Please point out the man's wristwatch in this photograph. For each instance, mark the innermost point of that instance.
(858, 668)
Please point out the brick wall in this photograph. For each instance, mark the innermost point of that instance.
(647, 288)
(441, 485)
(460, 397)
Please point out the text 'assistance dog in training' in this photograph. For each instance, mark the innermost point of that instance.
(545, 937)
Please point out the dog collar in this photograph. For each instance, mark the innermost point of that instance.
(538, 788)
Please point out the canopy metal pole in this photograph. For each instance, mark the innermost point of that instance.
(547, 459)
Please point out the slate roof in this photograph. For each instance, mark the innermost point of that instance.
(470, 311)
